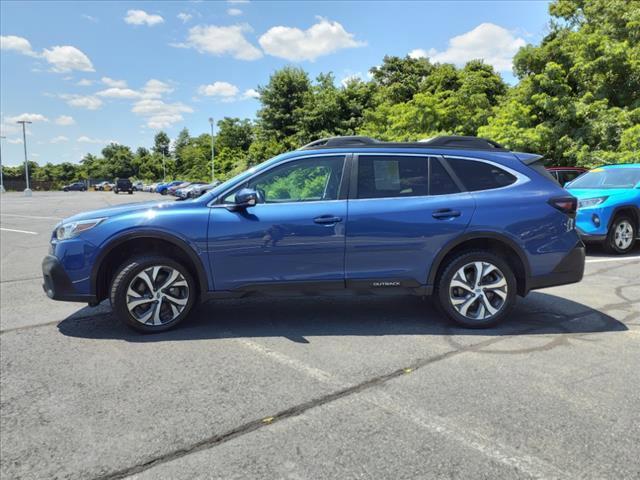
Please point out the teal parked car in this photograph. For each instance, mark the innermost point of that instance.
(609, 206)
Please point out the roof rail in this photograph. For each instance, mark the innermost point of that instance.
(459, 141)
(449, 141)
(337, 142)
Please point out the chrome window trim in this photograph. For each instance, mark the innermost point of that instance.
(212, 203)
(521, 178)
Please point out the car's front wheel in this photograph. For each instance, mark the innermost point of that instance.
(476, 289)
(152, 294)
(622, 235)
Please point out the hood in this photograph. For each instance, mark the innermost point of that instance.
(598, 192)
(122, 209)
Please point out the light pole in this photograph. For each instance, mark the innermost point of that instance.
(164, 169)
(213, 178)
(1, 174)
(27, 191)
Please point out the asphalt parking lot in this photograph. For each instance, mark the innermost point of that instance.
(314, 388)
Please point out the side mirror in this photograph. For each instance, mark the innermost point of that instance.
(245, 198)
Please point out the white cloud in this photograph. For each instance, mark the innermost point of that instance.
(66, 58)
(160, 114)
(82, 101)
(492, 43)
(185, 17)
(237, 2)
(118, 93)
(251, 93)
(155, 89)
(59, 139)
(14, 140)
(17, 44)
(320, 39)
(352, 77)
(10, 128)
(90, 18)
(110, 82)
(140, 17)
(234, 12)
(29, 117)
(217, 40)
(227, 92)
(65, 120)
(85, 139)
(85, 83)
(219, 89)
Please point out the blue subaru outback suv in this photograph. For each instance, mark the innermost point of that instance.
(459, 218)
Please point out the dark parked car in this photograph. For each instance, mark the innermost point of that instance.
(459, 218)
(76, 186)
(564, 175)
(123, 185)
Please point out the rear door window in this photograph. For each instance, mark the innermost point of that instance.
(478, 175)
(392, 176)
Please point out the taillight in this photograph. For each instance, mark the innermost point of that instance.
(567, 205)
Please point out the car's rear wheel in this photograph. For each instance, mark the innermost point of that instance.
(476, 289)
(621, 236)
(152, 294)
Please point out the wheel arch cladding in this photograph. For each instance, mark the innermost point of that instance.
(144, 242)
(632, 211)
(490, 241)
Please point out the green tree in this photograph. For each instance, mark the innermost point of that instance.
(161, 143)
(283, 103)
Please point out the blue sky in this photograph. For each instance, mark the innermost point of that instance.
(87, 73)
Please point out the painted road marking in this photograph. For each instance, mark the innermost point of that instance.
(18, 231)
(489, 447)
(30, 216)
(616, 259)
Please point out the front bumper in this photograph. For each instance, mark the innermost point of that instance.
(569, 270)
(57, 284)
(590, 237)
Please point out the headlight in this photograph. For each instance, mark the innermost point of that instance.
(73, 229)
(591, 202)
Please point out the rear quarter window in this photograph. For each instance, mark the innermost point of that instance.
(476, 175)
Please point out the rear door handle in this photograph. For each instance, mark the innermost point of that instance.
(445, 213)
(327, 219)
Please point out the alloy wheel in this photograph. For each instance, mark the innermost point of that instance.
(623, 235)
(478, 290)
(157, 295)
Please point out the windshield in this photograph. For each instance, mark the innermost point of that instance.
(608, 178)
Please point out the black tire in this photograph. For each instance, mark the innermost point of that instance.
(164, 192)
(65, 189)
(128, 272)
(617, 245)
(130, 192)
(444, 292)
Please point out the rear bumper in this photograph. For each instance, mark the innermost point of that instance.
(57, 284)
(569, 270)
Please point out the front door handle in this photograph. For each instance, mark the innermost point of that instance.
(327, 220)
(445, 213)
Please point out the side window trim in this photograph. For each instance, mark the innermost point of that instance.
(218, 201)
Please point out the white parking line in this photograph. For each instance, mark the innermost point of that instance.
(29, 216)
(18, 231)
(616, 259)
(515, 458)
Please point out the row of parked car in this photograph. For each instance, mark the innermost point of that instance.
(180, 189)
